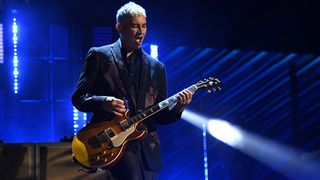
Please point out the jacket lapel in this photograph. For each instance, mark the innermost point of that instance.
(143, 84)
(123, 72)
(121, 66)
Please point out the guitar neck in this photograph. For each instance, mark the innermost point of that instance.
(158, 107)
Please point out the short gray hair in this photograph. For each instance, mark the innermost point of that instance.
(130, 9)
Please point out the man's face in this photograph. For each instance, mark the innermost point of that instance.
(132, 31)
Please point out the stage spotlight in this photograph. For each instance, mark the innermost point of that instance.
(225, 132)
(283, 159)
(200, 122)
(194, 118)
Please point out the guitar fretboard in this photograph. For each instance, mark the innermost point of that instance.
(157, 107)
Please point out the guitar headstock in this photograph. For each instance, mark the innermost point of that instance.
(209, 84)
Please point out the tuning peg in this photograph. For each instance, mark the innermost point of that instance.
(209, 91)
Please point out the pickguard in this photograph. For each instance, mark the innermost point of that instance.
(119, 139)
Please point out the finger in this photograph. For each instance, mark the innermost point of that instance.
(120, 110)
(120, 106)
(189, 97)
(180, 97)
(183, 97)
(186, 96)
(117, 101)
(190, 94)
(116, 113)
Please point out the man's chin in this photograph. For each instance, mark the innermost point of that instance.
(137, 46)
(133, 48)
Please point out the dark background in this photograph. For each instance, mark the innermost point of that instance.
(276, 25)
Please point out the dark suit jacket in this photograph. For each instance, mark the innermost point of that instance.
(105, 74)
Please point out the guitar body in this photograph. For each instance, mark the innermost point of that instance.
(102, 144)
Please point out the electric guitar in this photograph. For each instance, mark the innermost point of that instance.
(102, 144)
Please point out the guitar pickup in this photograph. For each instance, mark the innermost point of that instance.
(124, 125)
(109, 132)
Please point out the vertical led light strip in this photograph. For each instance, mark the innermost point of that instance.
(15, 55)
(205, 156)
(1, 45)
(154, 51)
(75, 120)
(79, 120)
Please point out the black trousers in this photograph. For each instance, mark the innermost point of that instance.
(131, 166)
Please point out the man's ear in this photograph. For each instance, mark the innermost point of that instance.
(118, 27)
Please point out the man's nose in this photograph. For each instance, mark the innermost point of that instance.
(141, 29)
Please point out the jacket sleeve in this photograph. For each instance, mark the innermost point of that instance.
(81, 98)
(166, 116)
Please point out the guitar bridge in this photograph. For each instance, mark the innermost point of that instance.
(94, 142)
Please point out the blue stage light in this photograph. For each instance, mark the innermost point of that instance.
(205, 156)
(79, 120)
(201, 122)
(279, 157)
(15, 55)
(1, 45)
(225, 132)
(154, 51)
(75, 120)
(85, 117)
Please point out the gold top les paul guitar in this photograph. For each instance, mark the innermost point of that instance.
(102, 145)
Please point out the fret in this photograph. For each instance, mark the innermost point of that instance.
(150, 111)
(163, 104)
(192, 88)
(133, 119)
(172, 99)
(156, 108)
